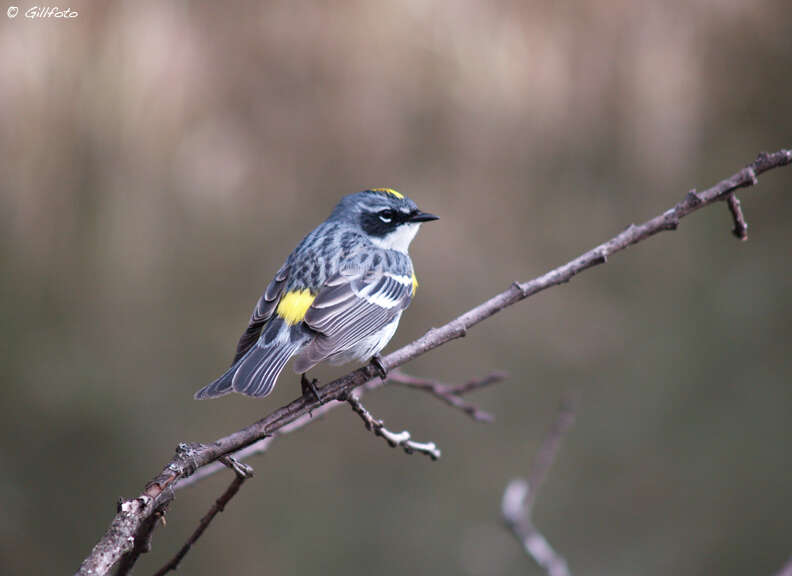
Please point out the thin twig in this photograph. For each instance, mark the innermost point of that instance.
(550, 446)
(127, 525)
(449, 393)
(740, 225)
(401, 439)
(241, 473)
(520, 495)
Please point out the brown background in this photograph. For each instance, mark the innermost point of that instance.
(159, 160)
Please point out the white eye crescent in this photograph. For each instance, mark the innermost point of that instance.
(385, 219)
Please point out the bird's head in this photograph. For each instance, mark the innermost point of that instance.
(389, 218)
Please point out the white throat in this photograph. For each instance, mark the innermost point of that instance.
(399, 239)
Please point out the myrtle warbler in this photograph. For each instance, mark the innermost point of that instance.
(338, 297)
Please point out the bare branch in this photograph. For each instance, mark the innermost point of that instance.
(450, 394)
(129, 524)
(393, 438)
(520, 496)
(241, 473)
(261, 446)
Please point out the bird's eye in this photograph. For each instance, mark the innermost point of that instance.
(386, 216)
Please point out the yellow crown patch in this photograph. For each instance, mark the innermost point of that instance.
(390, 191)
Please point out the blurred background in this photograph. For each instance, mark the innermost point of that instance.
(158, 161)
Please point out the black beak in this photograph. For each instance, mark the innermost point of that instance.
(422, 217)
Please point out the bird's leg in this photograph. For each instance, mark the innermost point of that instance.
(309, 386)
(376, 363)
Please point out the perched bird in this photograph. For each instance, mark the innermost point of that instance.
(338, 297)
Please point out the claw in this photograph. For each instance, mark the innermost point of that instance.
(310, 386)
(376, 363)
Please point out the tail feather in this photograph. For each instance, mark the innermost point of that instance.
(219, 387)
(256, 371)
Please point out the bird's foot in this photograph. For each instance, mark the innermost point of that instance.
(309, 386)
(376, 363)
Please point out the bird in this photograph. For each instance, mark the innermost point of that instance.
(338, 297)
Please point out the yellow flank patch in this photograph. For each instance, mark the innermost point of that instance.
(415, 284)
(294, 305)
(390, 191)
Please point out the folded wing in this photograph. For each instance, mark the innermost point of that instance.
(351, 306)
(263, 311)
